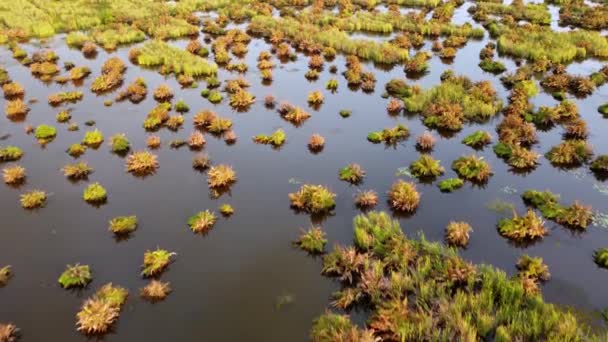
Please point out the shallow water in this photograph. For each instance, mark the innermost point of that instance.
(231, 283)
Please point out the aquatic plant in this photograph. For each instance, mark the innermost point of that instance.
(181, 106)
(457, 233)
(95, 193)
(332, 85)
(201, 162)
(533, 268)
(135, 92)
(93, 138)
(316, 142)
(13, 175)
(569, 152)
(122, 225)
(196, 140)
(100, 311)
(522, 158)
(450, 184)
(352, 173)
(314, 199)
(163, 93)
(241, 99)
(64, 96)
(603, 109)
(12, 89)
(403, 196)
(170, 59)
(202, 222)
(426, 167)
(366, 199)
(293, 114)
(45, 133)
(522, 228)
(156, 290)
(491, 66)
(5, 274)
(477, 139)
(33, 199)
(174, 122)
(313, 240)
(142, 163)
(472, 168)
(226, 209)
(78, 170)
(9, 332)
(600, 257)
(575, 216)
(221, 176)
(276, 139)
(153, 142)
(75, 276)
(155, 262)
(111, 75)
(10, 153)
(78, 73)
(389, 135)
(119, 143)
(315, 98)
(215, 97)
(16, 109)
(76, 150)
(426, 141)
(63, 116)
(600, 164)
(374, 230)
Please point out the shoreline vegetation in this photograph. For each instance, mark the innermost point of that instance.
(407, 289)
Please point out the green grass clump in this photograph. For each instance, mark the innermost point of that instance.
(426, 167)
(93, 138)
(533, 268)
(156, 53)
(10, 153)
(601, 257)
(226, 209)
(76, 150)
(64, 96)
(534, 13)
(374, 230)
(202, 222)
(45, 133)
(352, 173)
(345, 113)
(77, 171)
(477, 139)
(75, 276)
(313, 240)
(63, 116)
(603, 109)
(332, 84)
(576, 215)
(570, 153)
(5, 274)
(120, 143)
(100, 311)
(33, 199)
(457, 233)
(454, 101)
(450, 184)
(529, 227)
(389, 135)
(155, 262)
(600, 164)
(535, 43)
(181, 106)
(403, 196)
(398, 88)
(314, 199)
(472, 168)
(95, 193)
(471, 302)
(215, 97)
(123, 224)
(275, 139)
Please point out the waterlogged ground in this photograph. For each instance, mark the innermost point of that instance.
(244, 279)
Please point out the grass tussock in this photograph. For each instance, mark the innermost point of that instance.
(220, 176)
(142, 163)
(155, 291)
(389, 135)
(352, 173)
(457, 233)
(99, 312)
(155, 262)
(5, 274)
(95, 193)
(575, 215)
(529, 227)
(472, 168)
(366, 199)
(123, 225)
(14, 175)
(9, 332)
(314, 199)
(80, 170)
(403, 196)
(202, 222)
(426, 167)
(112, 74)
(158, 54)
(33, 199)
(75, 276)
(276, 139)
(313, 240)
